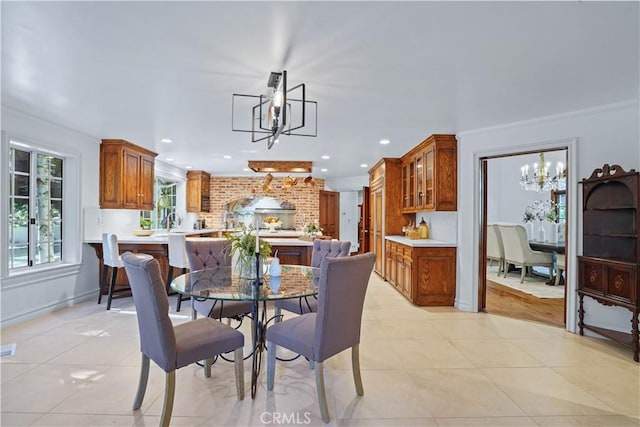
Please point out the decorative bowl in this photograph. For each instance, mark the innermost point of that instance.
(142, 233)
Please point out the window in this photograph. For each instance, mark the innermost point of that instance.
(165, 199)
(35, 208)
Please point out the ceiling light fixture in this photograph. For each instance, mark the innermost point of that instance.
(540, 180)
(166, 140)
(384, 141)
(326, 157)
(280, 166)
(283, 112)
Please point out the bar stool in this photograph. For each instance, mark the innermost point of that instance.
(110, 258)
(177, 258)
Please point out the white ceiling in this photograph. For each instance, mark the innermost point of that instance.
(143, 71)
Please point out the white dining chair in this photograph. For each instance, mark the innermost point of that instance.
(178, 259)
(110, 259)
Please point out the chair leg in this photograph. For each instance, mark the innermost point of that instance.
(271, 364)
(278, 314)
(169, 392)
(506, 269)
(169, 276)
(355, 365)
(142, 383)
(524, 272)
(180, 297)
(558, 274)
(322, 396)
(207, 367)
(112, 285)
(103, 281)
(238, 363)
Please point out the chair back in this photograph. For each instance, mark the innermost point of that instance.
(177, 252)
(495, 248)
(341, 291)
(157, 337)
(208, 253)
(110, 250)
(328, 248)
(514, 240)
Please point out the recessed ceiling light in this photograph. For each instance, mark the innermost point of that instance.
(246, 169)
(326, 157)
(188, 167)
(169, 159)
(166, 140)
(227, 157)
(323, 170)
(364, 165)
(384, 141)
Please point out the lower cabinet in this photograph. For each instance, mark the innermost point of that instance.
(425, 276)
(293, 255)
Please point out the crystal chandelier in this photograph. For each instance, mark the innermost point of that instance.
(540, 179)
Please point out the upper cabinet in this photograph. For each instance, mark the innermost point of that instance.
(198, 183)
(126, 175)
(429, 175)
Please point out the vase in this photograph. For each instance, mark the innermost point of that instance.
(553, 232)
(247, 266)
(529, 227)
(540, 234)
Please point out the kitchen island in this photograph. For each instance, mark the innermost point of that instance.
(423, 270)
(290, 249)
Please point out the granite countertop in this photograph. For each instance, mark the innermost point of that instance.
(420, 243)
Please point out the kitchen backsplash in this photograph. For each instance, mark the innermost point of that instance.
(442, 225)
(227, 189)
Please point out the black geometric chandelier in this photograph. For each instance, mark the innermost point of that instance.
(285, 111)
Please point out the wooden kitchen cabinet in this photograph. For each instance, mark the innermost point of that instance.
(609, 268)
(429, 175)
(126, 175)
(293, 255)
(425, 276)
(385, 188)
(198, 188)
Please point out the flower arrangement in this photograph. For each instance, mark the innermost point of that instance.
(243, 242)
(540, 210)
(312, 228)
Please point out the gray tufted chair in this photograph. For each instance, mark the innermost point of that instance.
(173, 347)
(321, 250)
(211, 253)
(334, 328)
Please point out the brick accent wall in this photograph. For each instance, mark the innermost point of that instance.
(225, 189)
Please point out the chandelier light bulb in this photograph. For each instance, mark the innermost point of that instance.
(277, 99)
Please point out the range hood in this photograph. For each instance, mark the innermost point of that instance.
(246, 209)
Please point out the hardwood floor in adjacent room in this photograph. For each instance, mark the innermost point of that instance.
(506, 301)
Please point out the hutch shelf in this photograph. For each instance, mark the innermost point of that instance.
(608, 268)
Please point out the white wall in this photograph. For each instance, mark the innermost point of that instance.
(609, 134)
(506, 200)
(32, 294)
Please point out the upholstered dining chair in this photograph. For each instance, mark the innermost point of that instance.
(177, 259)
(334, 328)
(110, 259)
(173, 347)
(211, 253)
(518, 252)
(495, 248)
(321, 250)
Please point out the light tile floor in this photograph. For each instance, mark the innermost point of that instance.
(421, 367)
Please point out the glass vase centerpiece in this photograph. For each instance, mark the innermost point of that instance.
(540, 210)
(250, 258)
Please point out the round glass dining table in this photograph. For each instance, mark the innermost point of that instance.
(224, 284)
